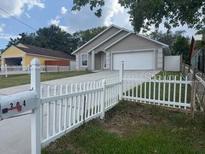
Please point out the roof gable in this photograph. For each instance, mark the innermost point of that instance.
(98, 39)
(109, 41)
(131, 41)
(157, 42)
(12, 51)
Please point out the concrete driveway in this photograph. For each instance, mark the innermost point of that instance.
(15, 133)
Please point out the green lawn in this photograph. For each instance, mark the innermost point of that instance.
(132, 128)
(15, 80)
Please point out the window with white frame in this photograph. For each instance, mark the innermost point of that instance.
(84, 60)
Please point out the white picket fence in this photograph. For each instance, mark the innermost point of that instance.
(65, 107)
(170, 91)
(9, 70)
(62, 108)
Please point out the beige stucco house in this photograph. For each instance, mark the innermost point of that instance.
(107, 50)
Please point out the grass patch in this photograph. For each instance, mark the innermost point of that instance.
(168, 73)
(136, 128)
(15, 80)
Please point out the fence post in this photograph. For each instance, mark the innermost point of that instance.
(193, 93)
(121, 76)
(103, 100)
(6, 70)
(35, 117)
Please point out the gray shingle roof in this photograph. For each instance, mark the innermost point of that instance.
(44, 52)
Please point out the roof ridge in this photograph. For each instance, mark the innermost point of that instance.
(45, 48)
(121, 28)
(31, 49)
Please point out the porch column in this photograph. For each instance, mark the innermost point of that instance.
(2, 63)
(93, 60)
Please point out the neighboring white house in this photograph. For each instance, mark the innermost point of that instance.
(108, 49)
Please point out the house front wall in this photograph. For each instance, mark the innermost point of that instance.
(79, 60)
(14, 52)
(28, 58)
(110, 41)
(89, 46)
(11, 52)
(134, 43)
(131, 43)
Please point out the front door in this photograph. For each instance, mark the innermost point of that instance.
(100, 61)
(103, 61)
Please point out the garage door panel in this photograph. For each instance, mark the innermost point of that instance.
(134, 61)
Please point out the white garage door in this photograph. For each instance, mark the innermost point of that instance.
(134, 60)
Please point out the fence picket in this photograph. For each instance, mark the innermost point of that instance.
(42, 120)
(145, 90)
(149, 96)
(164, 88)
(136, 84)
(72, 105)
(129, 89)
(54, 114)
(169, 89)
(133, 83)
(185, 95)
(48, 113)
(180, 90)
(154, 97)
(141, 91)
(174, 95)
(159, 89)
(70, 109)
(94, 99)
(60, 109)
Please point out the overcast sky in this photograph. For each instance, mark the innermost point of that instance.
(41, 13)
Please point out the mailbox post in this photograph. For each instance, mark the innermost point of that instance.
(35, 118)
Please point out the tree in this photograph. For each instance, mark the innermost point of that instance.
(77, 4)
(23, 38)
(52, 37)
(201, 43)
(84, 36)
(178, 44)
(55, 38)
(181, 47)
(144, 13)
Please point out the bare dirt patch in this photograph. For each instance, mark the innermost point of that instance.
(126, 119)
